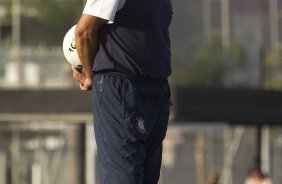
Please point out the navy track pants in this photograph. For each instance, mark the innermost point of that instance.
(130, 122)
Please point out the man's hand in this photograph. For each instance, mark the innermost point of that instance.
(85, 83)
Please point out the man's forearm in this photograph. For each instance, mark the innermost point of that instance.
(86, 40)
(86, 48)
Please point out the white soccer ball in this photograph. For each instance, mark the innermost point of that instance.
(69, 48)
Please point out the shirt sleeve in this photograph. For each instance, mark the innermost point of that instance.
(105, 9)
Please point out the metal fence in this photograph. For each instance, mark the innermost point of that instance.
(51, 152)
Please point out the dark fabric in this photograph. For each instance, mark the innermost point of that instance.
(138, 41)
(130, 121)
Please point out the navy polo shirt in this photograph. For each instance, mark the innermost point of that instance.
(138, 42)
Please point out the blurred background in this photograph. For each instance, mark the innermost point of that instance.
(226, 89)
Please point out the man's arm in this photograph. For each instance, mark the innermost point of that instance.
(86, 44)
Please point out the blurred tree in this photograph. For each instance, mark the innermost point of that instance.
(46, 22)
(271, 69)
(211, 65)
(50, 20)
(7, 9)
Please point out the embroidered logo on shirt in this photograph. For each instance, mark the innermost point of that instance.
(140, 125)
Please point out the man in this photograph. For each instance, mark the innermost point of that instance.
(255, 176)
(125, 44)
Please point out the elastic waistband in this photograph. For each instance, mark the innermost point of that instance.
(130, 76)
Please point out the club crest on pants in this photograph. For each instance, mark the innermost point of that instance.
(140, 125)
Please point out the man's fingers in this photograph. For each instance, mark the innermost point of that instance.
(84, 87)
(85, 83)
(78, 76)
(81, 86)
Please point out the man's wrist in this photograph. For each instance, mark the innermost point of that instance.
(89, 75)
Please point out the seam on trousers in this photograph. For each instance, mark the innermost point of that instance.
(102, 132)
